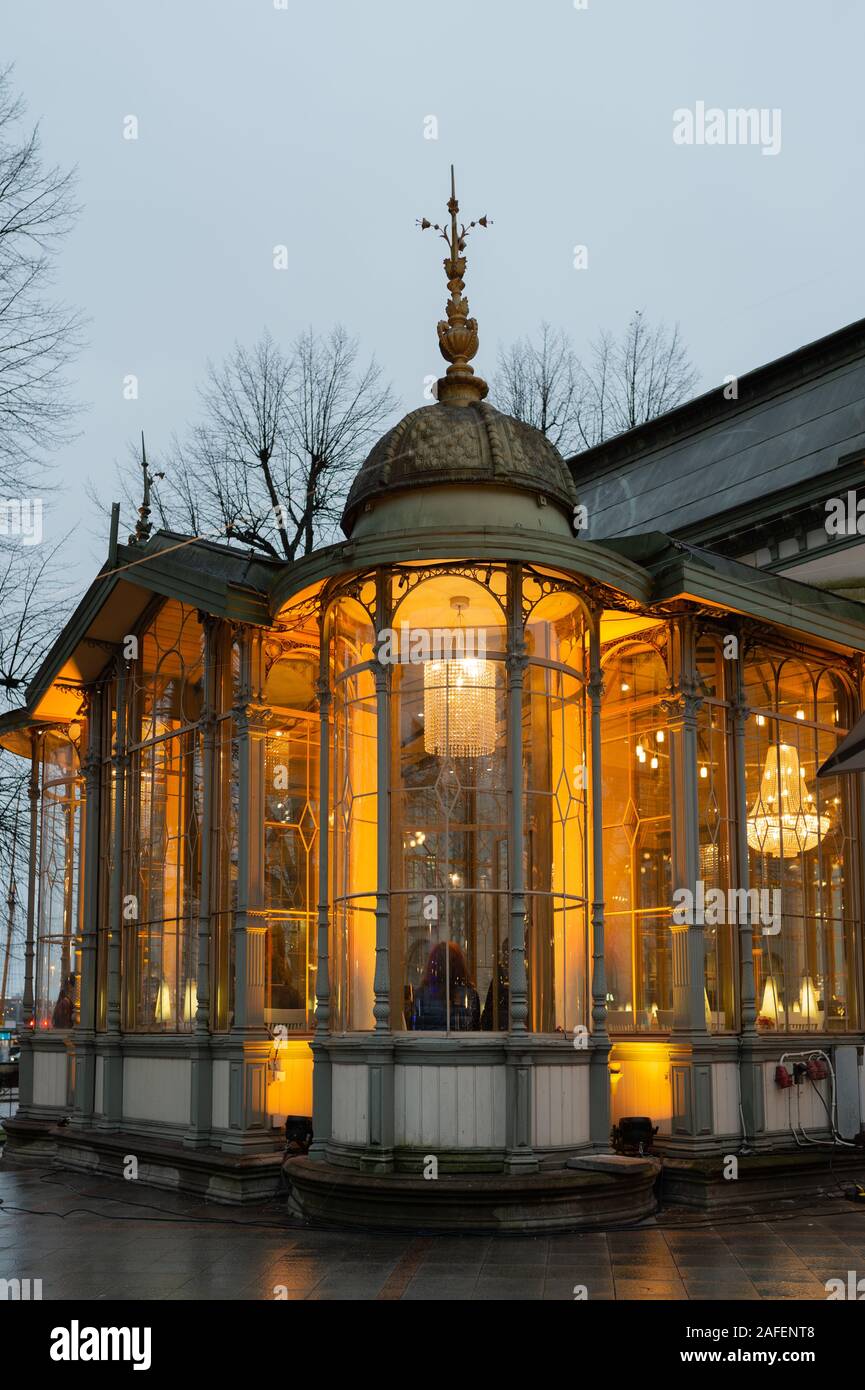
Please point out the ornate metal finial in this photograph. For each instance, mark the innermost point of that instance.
(143, 527)
(458, 336)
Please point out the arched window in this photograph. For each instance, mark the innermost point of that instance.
(801, 834)
(637, 849)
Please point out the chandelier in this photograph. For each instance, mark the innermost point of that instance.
(782, 819)
(459, 704)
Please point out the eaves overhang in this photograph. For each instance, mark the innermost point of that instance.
(683, 572)
(209, 577)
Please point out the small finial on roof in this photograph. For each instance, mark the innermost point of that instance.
(458, 335)
(143, 528)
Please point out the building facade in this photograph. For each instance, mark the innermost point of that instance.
(463, 839)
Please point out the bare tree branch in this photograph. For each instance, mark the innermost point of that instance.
(578, 404)
(269, 463)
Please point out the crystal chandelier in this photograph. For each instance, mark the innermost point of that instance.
(459, 704)
(782, 819)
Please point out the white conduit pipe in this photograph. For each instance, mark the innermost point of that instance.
(812, 1055)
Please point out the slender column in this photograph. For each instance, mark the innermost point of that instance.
(112, 1089)
(25, 1069)
(250, 926)
(750, 1067)
(519, 1156)
(682, 707)
(690, 1067)
(249, 1066)
(380, 1066)
(201, 1096)
(381, 982)
(322, 1095)
(32, 861)
(84, 1034)
(599, 1095)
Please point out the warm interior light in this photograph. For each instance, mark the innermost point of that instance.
(459, 708)
(808, 1004)
(459, 701)
(780, 819)
(770, 1007)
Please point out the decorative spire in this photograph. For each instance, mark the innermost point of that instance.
(143, 527)
(458, 337)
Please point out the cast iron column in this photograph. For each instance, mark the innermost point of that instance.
(750, 1066)
(599, 1091)
(690, 1069)
(112, 1066)
(322, 1095)
(25, 1066)
(381, 1059)
(84, 1034)
(201, 1091)
(519, 1155)
(249, 1067)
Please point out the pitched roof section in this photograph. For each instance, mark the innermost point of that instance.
(795, 418)
(214, 578)
(685, 571)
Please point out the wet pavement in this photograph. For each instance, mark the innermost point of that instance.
(98, 1238)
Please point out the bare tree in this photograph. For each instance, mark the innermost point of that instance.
(625, 382)
(38, 336)
(279, 438)
(540, 384)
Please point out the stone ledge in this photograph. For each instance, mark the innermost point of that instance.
(234, 1180)
(561, 1200)
(764, 1180)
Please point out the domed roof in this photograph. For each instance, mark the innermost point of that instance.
(466, 443)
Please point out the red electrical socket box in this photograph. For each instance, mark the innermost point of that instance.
(817, 1069)
(783, 1077)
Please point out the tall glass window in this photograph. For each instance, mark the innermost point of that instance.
(354, 812)
(449, 803)
(801, 833)
(291, 829)
(555, 780)
(637, 851)
(163, 831)
(61, 830)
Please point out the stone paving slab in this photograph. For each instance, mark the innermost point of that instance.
(93, 1238)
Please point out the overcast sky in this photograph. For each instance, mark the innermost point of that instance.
(268, 122)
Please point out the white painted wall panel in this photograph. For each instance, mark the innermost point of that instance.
(450, 1107)
(157, 1088)
(49, 1078)
(350, 1103)
(560, 1105)
(725, 1098)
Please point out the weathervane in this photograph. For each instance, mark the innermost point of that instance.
(143, 527)
(458, 335)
